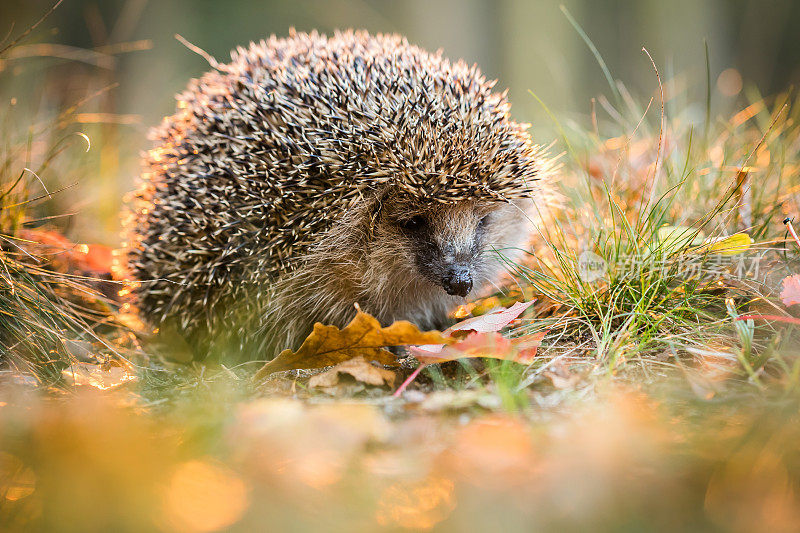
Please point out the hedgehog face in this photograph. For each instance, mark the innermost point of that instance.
(446, 244)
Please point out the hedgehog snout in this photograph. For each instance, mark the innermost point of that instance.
(457, 280)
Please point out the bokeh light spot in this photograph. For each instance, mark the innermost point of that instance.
(729, 82)
(203, 496)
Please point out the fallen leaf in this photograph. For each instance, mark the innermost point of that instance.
(734, 244)
(791, 290)
(676, 238)
(363, 337)
(562, 377)
(491, 321)
(97, 376)
(483, 340)
(491, 344)
(480, 338)
(527, 346)
(359, 369)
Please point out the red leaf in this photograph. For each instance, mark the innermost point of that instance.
(489, 322)
(482, 339)
(491, 345)
(791, 290)
(528, 346)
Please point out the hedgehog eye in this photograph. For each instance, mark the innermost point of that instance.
(483, 221)
(413, 224)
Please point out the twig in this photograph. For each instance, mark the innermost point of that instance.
(199, 51)
(788, 222)
(408, 380)
(776, 318)
(31, 28)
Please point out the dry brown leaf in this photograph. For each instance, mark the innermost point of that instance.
(363, 337)
(562, 377)
(359, 369)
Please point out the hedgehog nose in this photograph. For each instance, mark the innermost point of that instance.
(457, 280)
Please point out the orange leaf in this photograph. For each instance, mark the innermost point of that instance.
(97, 258)
(363, 337)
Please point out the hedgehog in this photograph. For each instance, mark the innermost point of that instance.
(312, 173)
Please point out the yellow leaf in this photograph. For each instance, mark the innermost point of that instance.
(675, 238)
(735, 244)
(363, 337)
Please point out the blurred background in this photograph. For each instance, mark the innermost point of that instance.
(88, 46)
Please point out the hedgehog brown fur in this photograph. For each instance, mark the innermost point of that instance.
(290, 184)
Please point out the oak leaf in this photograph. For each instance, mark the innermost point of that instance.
(362, 337)
(359, 369)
